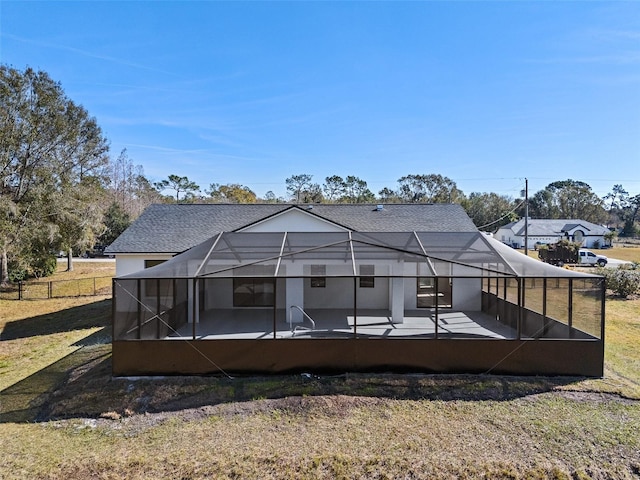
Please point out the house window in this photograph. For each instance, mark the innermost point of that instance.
(427, 294)
(152, 263)
(318, 276)
(367, 279)
(151, 285)
(256, 288)
(253, 292)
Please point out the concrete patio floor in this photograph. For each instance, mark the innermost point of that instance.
(259, 323)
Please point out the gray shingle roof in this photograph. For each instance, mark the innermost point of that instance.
(176, 227)
(544, 227)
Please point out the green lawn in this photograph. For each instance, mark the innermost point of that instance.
(63, 416)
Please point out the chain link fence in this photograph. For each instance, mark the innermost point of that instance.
(39, 290)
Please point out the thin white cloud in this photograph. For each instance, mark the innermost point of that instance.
(169, 150)
(201, 155)
(86, 53)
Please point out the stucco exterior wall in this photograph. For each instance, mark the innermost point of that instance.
(338, 293)
(467, 295)
(130, 263)
(218, 293)
(294, 221)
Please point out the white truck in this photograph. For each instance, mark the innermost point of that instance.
(586, 257)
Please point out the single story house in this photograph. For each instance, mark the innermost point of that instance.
(542, 231)
(277, 288)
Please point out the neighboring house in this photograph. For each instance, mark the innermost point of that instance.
(278, 288)
(541, 231)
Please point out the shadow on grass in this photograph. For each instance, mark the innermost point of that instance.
(95, 314)
(80, 385)
(29, 399)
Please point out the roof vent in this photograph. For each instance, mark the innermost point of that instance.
(379, 207)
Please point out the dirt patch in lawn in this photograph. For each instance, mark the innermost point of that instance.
(305, 408)
(84, 388)
(338, 406)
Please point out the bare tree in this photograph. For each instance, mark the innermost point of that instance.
(128, 187)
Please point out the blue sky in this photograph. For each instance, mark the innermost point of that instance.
(486, 93)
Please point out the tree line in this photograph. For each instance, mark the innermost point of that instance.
(62, 190)
(565, 199)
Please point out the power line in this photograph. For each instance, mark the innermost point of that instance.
(504, 216)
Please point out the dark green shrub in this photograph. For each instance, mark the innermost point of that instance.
(37, 267)
(44, 266)
(17, 273)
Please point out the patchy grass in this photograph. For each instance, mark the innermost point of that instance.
(622, 338)
(545, 436)
(37, 333)
(630, 254)
(84, 269)
(55, 369)
(622, 359)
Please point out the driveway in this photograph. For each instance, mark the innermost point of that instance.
(615, 263)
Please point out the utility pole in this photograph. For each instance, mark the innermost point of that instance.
(526, 215)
